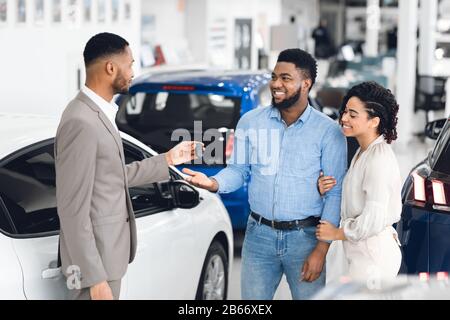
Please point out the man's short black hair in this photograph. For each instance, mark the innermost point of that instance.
(102, 45)
(302, 60)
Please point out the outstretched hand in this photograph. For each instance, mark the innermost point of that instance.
(200, 180)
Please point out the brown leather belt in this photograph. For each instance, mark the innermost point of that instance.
(287, 225)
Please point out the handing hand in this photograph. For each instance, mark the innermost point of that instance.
(325, 183)
(101, 291)
(327, 232)
(182, 153)
(200, 180)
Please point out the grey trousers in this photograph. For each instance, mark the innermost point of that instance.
(84, 293)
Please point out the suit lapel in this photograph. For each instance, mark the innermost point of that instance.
(114, 133)
(106, 122)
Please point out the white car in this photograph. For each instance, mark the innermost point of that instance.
(185, 239)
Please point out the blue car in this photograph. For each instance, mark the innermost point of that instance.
(424, 228)
(160, 103)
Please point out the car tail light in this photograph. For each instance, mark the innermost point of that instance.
(419, 187)
(345, 279)
(178, 88)
(430, 191)
(424, 276)
(442, 276)
(229, 145)
(439, 192)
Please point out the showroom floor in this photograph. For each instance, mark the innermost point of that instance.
(407, 157)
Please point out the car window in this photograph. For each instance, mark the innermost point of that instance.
(440, 157)
(6, 224)
(162, 119)
(146, 199)
(179, 110)
(443, 164)
(27, 189)
(28, 192)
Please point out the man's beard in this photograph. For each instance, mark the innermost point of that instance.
(287, 103)
(120, 85)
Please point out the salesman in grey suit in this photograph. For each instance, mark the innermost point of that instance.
(98, 229)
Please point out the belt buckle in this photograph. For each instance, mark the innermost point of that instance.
(273, 224)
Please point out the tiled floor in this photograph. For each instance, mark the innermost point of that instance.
(407, 157)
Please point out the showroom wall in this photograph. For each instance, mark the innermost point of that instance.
(42, 45)
(212, 29)
(203, 32)
(307, 14)
(163, 24)
(43, 40)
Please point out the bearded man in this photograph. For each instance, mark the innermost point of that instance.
(98, 228)
(283, 148)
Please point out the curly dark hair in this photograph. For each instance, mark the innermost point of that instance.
(378, 102)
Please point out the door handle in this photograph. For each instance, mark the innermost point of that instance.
(51, 273)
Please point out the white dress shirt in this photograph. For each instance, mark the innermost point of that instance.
(109, 108)
(371, 196)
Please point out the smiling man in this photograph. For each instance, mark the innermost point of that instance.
(98, 228)
(286, 205)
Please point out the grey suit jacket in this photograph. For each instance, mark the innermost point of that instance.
(98, 228)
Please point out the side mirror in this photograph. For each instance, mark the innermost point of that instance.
(184, 195)
(434, 128)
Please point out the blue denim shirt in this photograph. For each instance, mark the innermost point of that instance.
(284, 163)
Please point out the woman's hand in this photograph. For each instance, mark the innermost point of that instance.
(325, 183)
(327, 232)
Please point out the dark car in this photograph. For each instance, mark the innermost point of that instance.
(424, 228)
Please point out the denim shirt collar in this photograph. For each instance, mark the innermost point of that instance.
(275, 113)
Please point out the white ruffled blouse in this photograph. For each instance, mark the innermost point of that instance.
(371, 196)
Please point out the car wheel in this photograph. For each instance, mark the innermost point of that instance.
(213, 282)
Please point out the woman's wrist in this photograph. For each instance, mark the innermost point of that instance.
(340, 235)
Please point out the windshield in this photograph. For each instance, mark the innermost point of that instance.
(179, 110)
(440, 158)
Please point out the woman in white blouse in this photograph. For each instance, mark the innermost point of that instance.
(371, 200)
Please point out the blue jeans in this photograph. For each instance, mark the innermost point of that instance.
(267, 253)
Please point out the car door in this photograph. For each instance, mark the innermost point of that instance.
(27, 190)
(164, 267)
(10, 272)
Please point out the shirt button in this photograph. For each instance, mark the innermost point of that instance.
(128, 219)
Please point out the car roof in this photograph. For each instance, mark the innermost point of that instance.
(234, 80)
(18, 131)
